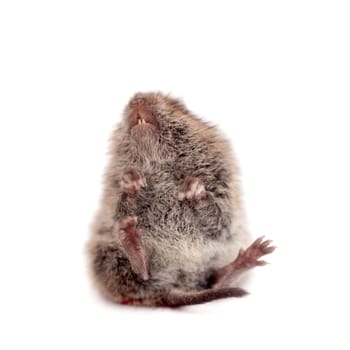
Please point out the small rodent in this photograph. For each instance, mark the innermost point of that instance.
(170, 230)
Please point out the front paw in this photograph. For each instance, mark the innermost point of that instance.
(192, 189)
(132, 181)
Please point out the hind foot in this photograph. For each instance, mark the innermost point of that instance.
(246, 259)
(131, 242)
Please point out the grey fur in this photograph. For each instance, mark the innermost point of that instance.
(186, 241)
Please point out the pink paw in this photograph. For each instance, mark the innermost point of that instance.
(192, 189)
(249, 257)
(132, 181)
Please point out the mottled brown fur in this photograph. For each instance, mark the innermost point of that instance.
(187, 236)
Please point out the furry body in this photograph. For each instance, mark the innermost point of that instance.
(183, 240)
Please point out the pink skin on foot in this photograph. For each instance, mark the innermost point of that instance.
(246, 259)
(130, 238)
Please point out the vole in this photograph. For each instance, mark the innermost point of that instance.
(171, 228)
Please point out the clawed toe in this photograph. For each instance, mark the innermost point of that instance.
(249, 257)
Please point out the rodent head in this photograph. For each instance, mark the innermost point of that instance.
(159, 128)
(154, 126)
(154, 111)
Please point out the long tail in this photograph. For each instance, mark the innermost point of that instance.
(183, 299)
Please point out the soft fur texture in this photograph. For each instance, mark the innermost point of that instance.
(186, 241)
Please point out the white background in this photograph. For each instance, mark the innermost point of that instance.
(274, 75)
